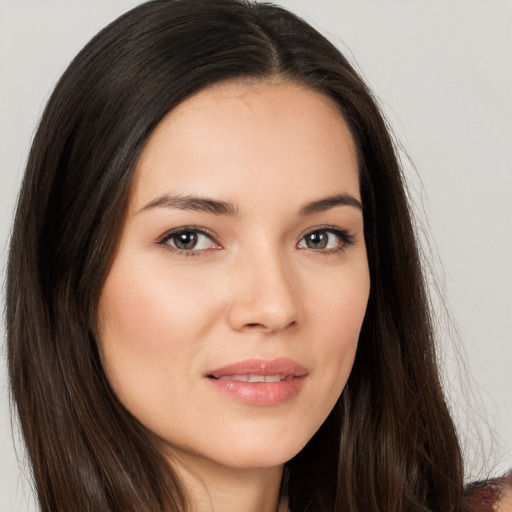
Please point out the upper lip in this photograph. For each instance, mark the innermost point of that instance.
(281, 366)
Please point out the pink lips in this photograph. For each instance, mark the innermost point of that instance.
(259, 381)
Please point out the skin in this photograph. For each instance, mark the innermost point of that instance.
(255, 289)
(505, 503)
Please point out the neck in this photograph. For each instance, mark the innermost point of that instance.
(215, 488)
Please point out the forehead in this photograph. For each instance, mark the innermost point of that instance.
(249, 140)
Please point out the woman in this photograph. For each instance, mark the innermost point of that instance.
(212, 221)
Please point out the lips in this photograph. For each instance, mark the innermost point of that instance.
(255, 378)
(258, 381)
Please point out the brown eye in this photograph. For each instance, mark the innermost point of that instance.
(189, 240)
(317, 240)
(326, 239)
(186, 240)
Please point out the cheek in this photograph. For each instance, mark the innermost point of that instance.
(339, 300)
(149, 331)
(142, 306)
(338, 312)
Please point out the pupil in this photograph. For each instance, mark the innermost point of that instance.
(317, 240)
(186, 240)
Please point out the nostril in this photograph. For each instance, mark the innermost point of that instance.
(262, 315)
(256, 325)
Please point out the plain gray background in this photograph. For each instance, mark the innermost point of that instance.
(442, 70)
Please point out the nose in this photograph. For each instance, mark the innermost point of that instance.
(265, 295)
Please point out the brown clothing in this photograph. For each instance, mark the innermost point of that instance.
(490, 495)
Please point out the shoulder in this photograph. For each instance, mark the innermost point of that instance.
(491, 495)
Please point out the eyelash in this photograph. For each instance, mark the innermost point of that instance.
(346, 240)
(186, 229)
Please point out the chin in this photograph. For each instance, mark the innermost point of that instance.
(263, 457)
(264, 449)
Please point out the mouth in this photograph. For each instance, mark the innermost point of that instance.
(254, 378)
(259, 382)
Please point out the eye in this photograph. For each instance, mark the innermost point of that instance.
(189, 240)
(326, 239)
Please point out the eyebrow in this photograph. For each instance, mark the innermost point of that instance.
(207, 205)
(195, 203)
(326, 203)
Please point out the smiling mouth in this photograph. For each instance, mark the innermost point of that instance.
(278, 369)
(260, 382)
(254, 378)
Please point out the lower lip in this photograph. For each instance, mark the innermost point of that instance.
(260, 393)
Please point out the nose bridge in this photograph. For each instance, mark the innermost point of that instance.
(265, 290)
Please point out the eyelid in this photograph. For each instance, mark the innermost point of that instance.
(162, 240)
(346, 238)
(175, 231)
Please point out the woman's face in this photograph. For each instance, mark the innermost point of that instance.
(229, 320)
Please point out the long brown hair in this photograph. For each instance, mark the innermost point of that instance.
(388, 445)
